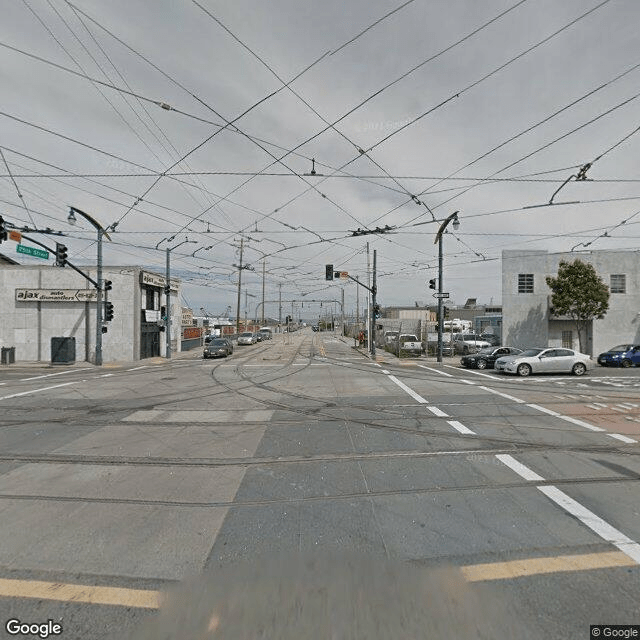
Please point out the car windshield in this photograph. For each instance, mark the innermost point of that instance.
(621, 348)
(409, 338)
(218, 342)
(246, 335)
(531, 352)
(487, 351)
(470, 336)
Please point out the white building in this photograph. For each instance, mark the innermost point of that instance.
(526, 300)
(38, 303)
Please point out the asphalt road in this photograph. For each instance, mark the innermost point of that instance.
(299, 484)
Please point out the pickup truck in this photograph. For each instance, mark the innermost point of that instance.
(408, 344)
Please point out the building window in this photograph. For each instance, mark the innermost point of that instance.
(525, 283)
(149, 299)
(618, 283)
(567, 339)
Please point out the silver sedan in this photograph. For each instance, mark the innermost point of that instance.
(545, 361)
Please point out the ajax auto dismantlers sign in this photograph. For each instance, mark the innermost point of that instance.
(56, 295)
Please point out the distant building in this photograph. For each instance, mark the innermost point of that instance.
(528, 320)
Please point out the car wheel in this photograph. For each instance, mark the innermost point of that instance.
(626, 363)
(579, 369)
(481, 364)
(524, 370)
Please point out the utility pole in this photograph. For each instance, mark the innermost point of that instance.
(368, 297)
(372, 315)
(263, 267)
(239, 286)
(280, 305)
(357, 307)
(342, 313)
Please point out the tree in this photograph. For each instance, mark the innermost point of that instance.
(580, 293)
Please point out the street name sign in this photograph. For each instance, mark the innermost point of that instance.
(32, 251)
(56, 295)
(441, 295)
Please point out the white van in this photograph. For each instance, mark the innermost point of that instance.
(266, 332)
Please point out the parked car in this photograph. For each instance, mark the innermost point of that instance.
(545, 361)
(217, 348)
(624, 355)
(486, 358)
(247, 337)
(315, 327)
(468, 343)
(430, 345)
(408, 344)
(491, 338)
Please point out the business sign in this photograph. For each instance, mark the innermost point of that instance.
(155, 280)
(344, 275)
(16, 236)
(32, 251)
(151, 316)
(56, 295)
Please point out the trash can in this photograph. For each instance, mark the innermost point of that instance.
(63, 350)
(8, 355)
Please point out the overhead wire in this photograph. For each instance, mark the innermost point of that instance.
(15, 184)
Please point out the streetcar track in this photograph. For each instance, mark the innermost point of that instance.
(354, 495)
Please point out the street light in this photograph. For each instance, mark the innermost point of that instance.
(167, 287)
(71, 219)
(456, 224)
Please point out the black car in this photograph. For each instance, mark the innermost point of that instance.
(217, 348)
(486, 358)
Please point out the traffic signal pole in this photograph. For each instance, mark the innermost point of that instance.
(440, 318)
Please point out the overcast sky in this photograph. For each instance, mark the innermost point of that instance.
(525, 76)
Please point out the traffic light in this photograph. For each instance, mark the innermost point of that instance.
(328, 272)
(61, 254)
(376, 311)
(432, 283)
(3, 230)
(108, 311)
(445, 312)
(108, 285)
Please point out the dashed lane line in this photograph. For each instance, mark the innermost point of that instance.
(504, 395)
(410, 391)
(460, 427)
(594, 522)
(619, 436)
(475, 373)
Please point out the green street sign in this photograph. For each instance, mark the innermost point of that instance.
(32, 251)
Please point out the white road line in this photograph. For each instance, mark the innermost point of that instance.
(618, 436)
(1, 383)
(588, 518)
(580, 423)
(442, 373)
(519, 468)
(600, 404)
(385, 371)
(48, 375)
(467, 381)
(411, 392)
(537, 407)
(504, 395)
(460, 427)
(626, 405)
(144, 366)
(437, 412)
(593, 406)
(24, 393)
(594, 522)
(475, 373)
(106, 375)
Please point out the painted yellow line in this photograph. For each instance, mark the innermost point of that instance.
(537, 566)
(141, 599)
(148, 599)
